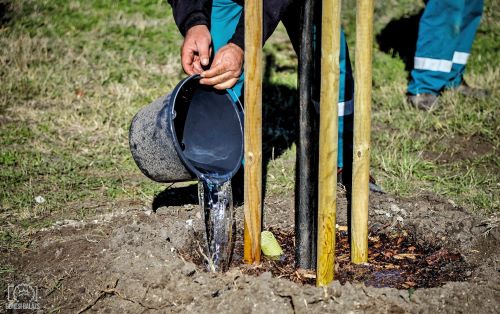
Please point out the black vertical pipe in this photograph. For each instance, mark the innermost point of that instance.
(307, 147)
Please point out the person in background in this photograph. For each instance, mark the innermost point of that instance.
(446, 31)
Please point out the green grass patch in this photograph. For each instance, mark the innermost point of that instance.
(73, 74)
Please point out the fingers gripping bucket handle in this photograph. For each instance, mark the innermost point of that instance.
(194, 132)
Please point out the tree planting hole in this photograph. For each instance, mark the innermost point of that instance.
(395, 260)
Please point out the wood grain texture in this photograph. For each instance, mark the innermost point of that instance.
(328, 141)
(253, 131)
(362, 129)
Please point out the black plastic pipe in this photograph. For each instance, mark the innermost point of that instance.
(307, 146)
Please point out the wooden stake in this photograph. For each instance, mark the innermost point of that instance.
(362, 116)
(328, 140)
(253, 130)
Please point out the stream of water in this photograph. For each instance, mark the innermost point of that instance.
(216, 202)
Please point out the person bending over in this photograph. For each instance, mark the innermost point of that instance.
(216, 28)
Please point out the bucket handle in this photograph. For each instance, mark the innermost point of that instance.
(238, 103)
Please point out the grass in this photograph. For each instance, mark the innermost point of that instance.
(415, 152)
(453, 151)
(73, 74)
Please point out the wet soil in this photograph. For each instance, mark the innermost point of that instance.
(395, 260)
(134, 260)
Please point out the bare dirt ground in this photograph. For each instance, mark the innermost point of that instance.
(133, 260)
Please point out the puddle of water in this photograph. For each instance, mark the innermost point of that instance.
(385, 278)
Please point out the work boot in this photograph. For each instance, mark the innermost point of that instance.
(468, 91)
(424, 101)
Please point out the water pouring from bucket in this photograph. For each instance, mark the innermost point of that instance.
(195, 132)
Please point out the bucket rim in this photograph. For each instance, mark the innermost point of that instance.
(238, 108)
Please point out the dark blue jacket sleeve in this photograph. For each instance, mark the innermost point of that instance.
(188, 13)
(273, 11)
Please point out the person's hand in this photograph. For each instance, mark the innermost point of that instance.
(196, 49)
(225, 69)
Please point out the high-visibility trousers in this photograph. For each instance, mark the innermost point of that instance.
(446, 31)
(224, 19)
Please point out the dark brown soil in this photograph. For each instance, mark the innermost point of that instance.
(134, 261)
(460, 148)
(395, 261)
